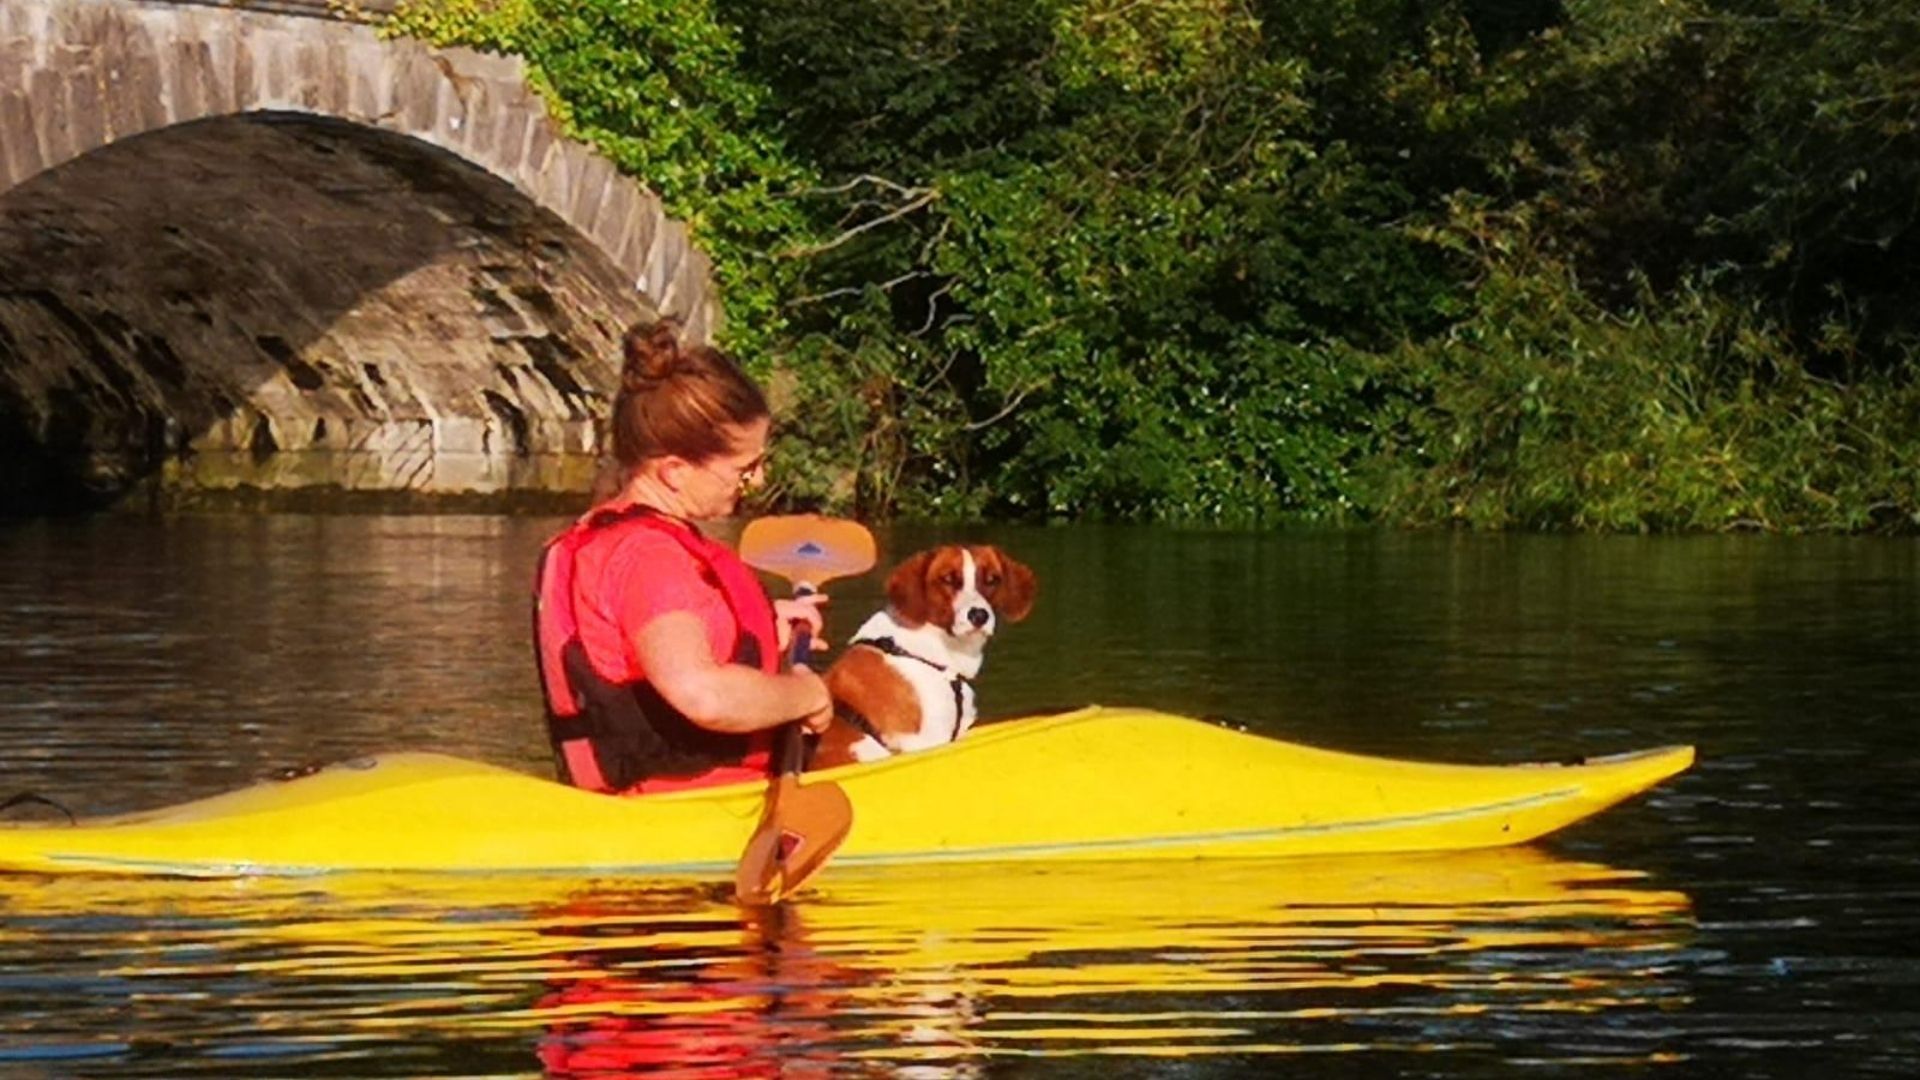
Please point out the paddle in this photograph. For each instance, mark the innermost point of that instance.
(802, 824)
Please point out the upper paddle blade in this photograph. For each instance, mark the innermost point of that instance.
(807, 548)
(802, 828)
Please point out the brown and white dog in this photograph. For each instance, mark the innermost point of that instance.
(905, 682)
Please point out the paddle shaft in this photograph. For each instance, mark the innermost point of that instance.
(789, 743)
(802, 824)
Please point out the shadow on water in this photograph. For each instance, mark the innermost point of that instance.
(909, 971)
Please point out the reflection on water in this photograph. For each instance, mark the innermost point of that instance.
(913, 971)
(146, 662)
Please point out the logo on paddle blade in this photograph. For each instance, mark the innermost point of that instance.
(790, 842)
(810, 548)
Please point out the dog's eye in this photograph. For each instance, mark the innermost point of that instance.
(951, 581)
(991, 581)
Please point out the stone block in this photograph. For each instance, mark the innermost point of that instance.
(336, 74)
(613, 227)
(460, 435)
(555, 185)
(649, 217)
(454, 111)
(254, 70)
(331, 432)
(313, 75)
(274, 59)
(253, 67)
(416, 95)
(172, 24)
(18, 57)
(663, 264)
(405, 461)
(70, 24)
(590, 183)
(18, 20)
(510, 123)
(215, 437)
(134, 85)
(459, 470)
(480, 127)
(19, 141)
(540, 140)
(221, 85)
(587, 435)
(703, 323)
(358, 471)
(244, 79)
(189, 74)
(369, 93)
(487, 67)
(676, 301)
(541, 401)
(46, 101)
(71, 92)
(372, 438)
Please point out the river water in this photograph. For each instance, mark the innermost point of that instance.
(1758, 916)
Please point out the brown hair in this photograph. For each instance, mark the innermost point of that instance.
(674, 398)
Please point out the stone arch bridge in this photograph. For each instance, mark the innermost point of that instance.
(255, 248)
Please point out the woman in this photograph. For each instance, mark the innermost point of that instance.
(659, 650)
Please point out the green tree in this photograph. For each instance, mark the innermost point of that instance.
(1624, 264)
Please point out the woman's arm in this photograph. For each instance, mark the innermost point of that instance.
(673, 651)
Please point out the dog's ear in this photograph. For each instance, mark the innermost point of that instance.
(1017, 588)
(907, 589)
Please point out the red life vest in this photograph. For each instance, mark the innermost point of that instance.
(611, 736)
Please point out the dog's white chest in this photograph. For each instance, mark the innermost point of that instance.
(946, 704)
(940, 680)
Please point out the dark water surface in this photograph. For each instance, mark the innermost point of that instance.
(1756, 917)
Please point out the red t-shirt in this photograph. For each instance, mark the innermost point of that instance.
(625, 578)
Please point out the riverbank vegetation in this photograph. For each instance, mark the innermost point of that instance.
(1604, 264)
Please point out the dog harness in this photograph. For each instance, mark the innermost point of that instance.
(609, 736)
(958, 682)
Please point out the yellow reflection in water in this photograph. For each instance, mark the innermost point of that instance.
(932, 965)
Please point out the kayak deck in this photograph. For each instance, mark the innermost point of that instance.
(1091, 784)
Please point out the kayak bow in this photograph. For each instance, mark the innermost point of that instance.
(1025, 789)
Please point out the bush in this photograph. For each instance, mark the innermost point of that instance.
(1686, 412)
(1640, 264)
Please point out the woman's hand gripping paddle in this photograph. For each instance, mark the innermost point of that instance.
(802, 824)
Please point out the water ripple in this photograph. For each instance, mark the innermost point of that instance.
(905, 966)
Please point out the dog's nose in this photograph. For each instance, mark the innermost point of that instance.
(978, 616)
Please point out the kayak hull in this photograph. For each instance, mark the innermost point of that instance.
(1099, 783)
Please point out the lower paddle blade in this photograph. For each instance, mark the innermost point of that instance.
(757, 881)
(807, 547)
(803, 826)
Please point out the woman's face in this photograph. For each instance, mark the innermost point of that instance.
(712, 487)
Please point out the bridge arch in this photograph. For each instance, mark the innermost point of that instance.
(247, 250)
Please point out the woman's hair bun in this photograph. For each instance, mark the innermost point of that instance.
(651, 353)
(678, 398)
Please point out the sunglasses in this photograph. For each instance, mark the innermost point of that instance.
(738, 476)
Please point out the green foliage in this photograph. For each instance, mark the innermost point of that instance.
(1685, 412)
(1618, 264)
(1773, 143)
(657, 86)
(1118, 253)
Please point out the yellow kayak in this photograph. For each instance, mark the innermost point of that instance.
(1099, 783)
